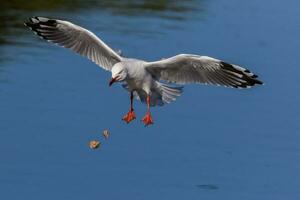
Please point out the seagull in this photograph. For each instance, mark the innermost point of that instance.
(154, 83)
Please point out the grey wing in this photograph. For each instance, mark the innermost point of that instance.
(186, 68)
(76, 38)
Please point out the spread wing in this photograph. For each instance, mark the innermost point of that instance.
(76, 38)
(186, 68)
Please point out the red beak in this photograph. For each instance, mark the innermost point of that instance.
(112, 80)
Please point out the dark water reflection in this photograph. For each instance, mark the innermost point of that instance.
(13, 13)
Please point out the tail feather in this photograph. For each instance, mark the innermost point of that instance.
(169, 93)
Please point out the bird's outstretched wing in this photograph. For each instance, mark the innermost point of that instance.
(74, 37)
(186, 68)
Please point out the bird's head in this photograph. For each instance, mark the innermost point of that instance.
(118, 73)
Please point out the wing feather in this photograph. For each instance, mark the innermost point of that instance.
(76, 38)
(186, 68)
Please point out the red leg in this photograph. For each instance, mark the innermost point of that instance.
(148, 118)
(130, 115)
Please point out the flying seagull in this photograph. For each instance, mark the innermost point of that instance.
(150, 82)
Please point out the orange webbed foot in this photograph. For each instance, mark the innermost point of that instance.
(129, 116)
(148, 119)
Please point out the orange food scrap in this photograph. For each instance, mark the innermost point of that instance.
(94, 144)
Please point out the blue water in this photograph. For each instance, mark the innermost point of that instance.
(212, 143)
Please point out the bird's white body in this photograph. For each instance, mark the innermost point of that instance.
(141, 82)
(143, 79)
(137, 77)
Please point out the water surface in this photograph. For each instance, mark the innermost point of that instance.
(212, 143)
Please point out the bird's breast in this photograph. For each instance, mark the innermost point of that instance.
(134, 84)
(138, 77)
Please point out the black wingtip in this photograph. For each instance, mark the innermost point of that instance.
(29, 19)
(259, 82)
(248, 76)
(256, 80)
(35, 23)
(29, 22)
